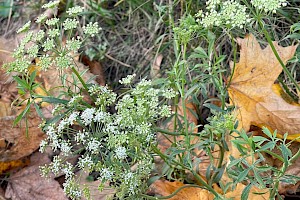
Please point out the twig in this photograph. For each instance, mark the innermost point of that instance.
(120, 62)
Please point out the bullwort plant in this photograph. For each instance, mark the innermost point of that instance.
(112, 135)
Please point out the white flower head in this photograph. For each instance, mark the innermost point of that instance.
(127, 80)
(91, 29)
(87, 115)
(121, 153)
(70, 24)
(106, 174)
(24, 28)
(268, 5)
(51, 4)
(74, 10)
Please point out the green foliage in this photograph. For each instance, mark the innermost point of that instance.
(117, 131)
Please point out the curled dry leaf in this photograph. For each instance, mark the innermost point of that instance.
(27, 184)
(95, 68)
(166, 188)
(251, 89)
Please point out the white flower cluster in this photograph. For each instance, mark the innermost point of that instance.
(127, 80)
(230, 14)
(110, 142)
(48, 46)
(268, 5)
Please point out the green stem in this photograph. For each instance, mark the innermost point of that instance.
(172, 133)
(82, 82)
(285, 69)
(198, 178)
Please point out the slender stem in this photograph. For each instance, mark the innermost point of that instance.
(198, 178)
(172, 133)
(82, 81)
(285, 69)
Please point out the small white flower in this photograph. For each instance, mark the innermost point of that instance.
(268, 5)
(24, 28)
(73, 117)
(106, 174)
(127, 80)
(48, 44)
(56, 164)
(39, 35)
(65, 147)
(52, 21)
(73, 44)
(62, 125)
(165, 111)
(70, 24)
(91, 29)
(74, 100)
(68, 170)
(43, 145)
(51, 4)
(85, 162)
(53, 33)
(93, 146)
(87, 116)
(41, 18)
(169, 93)
(74, 10)
(81, 136)
(121, 153)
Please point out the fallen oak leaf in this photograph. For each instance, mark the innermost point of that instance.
(251, 89)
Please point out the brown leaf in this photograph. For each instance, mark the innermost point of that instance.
(164, 141)
(251, 88)
(165, 188)
(27, 184)
(93, 186)
(6, 49)
(12, 165)
(155, 68)
(18, 144)
(95, 68)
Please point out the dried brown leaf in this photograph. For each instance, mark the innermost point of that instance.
(27, 184)
(18, 143)
(165, 188)
(251, 88)
(93, 186)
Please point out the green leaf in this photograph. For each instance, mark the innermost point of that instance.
(38, 110)
(245, 192)
(22, 83)
(241, 177)
(32, 77)
(23, 113)
(267, 132)
(54, 100)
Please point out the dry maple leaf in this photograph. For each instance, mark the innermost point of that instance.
(166, 188)
(251, 88)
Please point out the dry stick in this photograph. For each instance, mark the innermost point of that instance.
(120, 62)
(9, 16)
